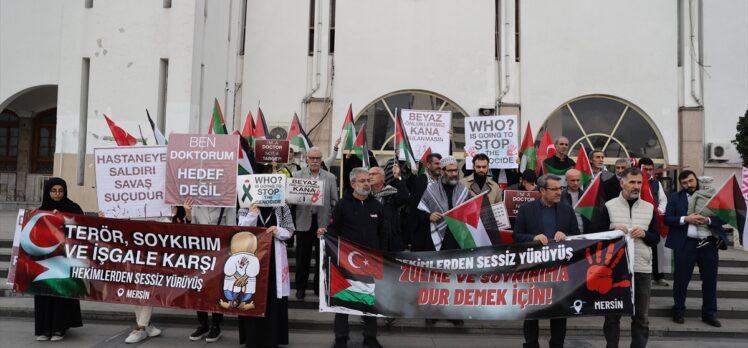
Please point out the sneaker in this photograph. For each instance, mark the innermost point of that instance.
(152, 331)
(137, 335)
(371, 342)
(201, 332)
(57, 336)
(214, 334)
(43, 338)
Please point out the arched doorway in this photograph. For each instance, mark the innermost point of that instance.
(614, 125)
(379, 116)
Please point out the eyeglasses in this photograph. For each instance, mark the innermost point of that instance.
(56, 191)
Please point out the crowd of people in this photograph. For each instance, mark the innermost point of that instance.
(393, 208)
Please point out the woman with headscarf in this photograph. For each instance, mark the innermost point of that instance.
(53, 316)
(272, 330)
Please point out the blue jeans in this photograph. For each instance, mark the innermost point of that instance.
(640, 319)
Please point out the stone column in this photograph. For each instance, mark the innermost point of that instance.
(691, 138)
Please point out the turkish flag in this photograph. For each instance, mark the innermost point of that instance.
(359, 261)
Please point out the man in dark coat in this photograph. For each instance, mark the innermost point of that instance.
(392, 197)
(420, 236)
(543, 220)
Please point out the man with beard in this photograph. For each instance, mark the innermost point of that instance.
(560, 162)
(612, 186)
(691, 247)
(439, 198)
(418, 224)
(479, 182)
(358, 219)
(635, 217)
(543, 220)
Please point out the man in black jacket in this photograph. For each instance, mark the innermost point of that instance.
(392, 197)
(543, 220)
(420, 236)
(357, 218)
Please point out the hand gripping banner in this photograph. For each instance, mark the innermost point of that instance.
(202, 267)
(588, 276)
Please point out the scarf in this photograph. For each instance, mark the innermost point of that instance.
(386, 191)
(64, 205)
(435, 200)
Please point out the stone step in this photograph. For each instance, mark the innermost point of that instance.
(304, 319)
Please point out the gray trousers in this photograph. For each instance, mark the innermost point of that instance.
(640, 319)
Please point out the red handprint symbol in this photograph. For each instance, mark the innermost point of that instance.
(510, 151)
(599, 275)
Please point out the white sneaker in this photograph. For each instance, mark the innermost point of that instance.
(136, 336)
(152, 331)
(57, 336)
(42, 338)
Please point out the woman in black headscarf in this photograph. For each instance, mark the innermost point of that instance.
(55, 315)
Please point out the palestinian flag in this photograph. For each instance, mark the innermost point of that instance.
(527, 152)
(424, 159)
(350, 290)
(472, 222)
(590, 203)
(248, 132)
(583, 165)
(160, 139)
(546, 149)
(121, 137)
(648, 196)
(361, 147)
(217, 123)
(261, 129)
(244, 161)
(728, 204)
(349, 130)
(297, 136)
(402, 143)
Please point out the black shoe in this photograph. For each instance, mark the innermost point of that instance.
(678, 319)
(201, 332)
(371, 342)
(431, 322)
(457, 322)
(299, 294)
(214, 334)
(340, 343)
(711, 321)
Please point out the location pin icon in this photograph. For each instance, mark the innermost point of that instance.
(578, 305)
(121, 291)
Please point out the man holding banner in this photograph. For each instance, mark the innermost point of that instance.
(635, 217)
(543, 220)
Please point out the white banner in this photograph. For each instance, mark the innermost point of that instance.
(305, 191)
(502, 217)
(130, 181)
(494, 136)
(267, 190)
(427, 129)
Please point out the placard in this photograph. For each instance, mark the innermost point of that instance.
(502, 218)
(427, 129)
(267, 151)
(513, 199)
(301, 191)
(495, 137)
(130, 181)
(266, 190)
(204, 167)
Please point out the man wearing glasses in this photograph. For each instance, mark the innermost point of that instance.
(310, 219)
(543, 220)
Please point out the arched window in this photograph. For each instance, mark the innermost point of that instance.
(379, 117)
(613, 125)
(43, 152)
(8, 141)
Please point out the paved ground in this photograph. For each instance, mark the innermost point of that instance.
(19, 332)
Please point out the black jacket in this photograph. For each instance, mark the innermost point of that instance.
(566, 198)
(530, 221)
(391, 206)
(358, 221)
(418, 221)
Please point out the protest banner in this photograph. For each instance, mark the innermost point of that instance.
(14, 249)
(267, 151)
(305, 191)
(427, 129)
(585, 277)
(513, 199)
(266, 190)
(204, 167)
(494, 136)
(130, 181)
(200, 267)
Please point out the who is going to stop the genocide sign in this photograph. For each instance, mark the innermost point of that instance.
(130, 181)
(493, 136)
(427, 129)
(204, 167)
(265, 190)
